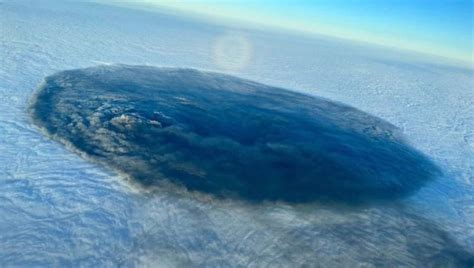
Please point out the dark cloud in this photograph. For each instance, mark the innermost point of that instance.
(226, 136)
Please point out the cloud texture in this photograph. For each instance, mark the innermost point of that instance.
(228, 137)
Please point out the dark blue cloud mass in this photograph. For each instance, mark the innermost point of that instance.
(226, 136)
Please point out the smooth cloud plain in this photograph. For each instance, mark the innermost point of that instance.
(228, 137)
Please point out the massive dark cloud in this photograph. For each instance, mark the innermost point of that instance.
(226, 136)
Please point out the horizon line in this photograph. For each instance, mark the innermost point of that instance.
(331, 32)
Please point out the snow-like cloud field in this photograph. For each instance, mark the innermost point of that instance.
(58, 208)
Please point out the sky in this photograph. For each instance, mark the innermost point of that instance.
(439, 27)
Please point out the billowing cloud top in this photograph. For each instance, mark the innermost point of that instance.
(226, 136)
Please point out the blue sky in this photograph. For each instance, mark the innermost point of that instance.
(441, 27)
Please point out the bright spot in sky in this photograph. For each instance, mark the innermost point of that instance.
(232, 51)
